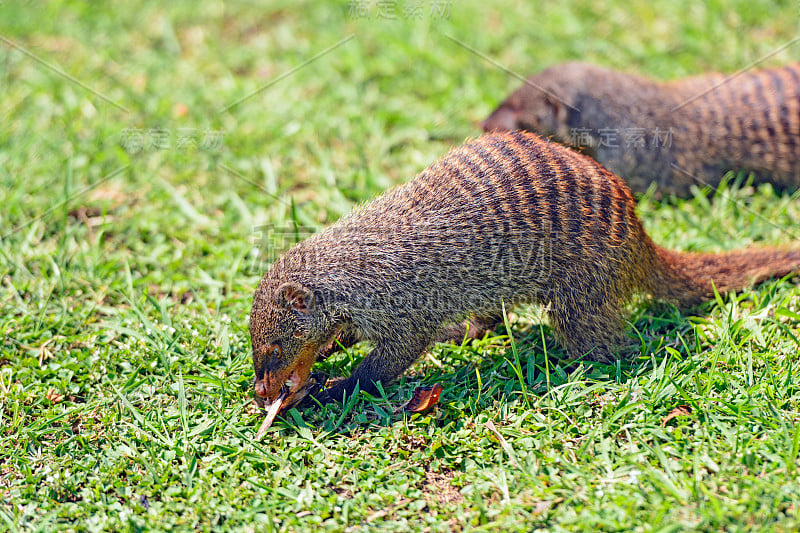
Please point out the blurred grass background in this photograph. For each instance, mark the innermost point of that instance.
(127, 277)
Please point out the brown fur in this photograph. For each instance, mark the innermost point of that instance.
(504, 219)
(750, 122)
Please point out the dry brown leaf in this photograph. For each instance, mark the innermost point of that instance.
(54, 396)
(681, 410)
(424, 398)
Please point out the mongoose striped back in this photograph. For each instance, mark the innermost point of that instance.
(751, 121)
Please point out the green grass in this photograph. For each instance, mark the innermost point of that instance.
(126, 281)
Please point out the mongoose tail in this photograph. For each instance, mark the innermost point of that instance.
(687, 277)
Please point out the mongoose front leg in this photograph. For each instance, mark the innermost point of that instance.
(389, 359)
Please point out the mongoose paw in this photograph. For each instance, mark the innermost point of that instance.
(316, 399)
(321, 396)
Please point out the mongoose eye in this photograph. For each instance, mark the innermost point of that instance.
(298, 333)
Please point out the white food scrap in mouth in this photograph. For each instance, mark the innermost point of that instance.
(292, 391)
(272, 412)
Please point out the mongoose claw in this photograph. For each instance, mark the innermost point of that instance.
(316, 382)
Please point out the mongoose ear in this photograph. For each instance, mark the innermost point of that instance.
(556, 108)
(557, 117)
(295, 296)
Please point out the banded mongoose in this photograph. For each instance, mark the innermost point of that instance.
(677, 133)
(501, 220)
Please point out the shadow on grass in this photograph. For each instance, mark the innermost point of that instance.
(484, 375)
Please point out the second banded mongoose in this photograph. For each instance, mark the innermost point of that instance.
(677, 133)
(501, 220)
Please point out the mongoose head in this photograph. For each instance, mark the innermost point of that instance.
(526, 110)
(543, 104)
(281, 332)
